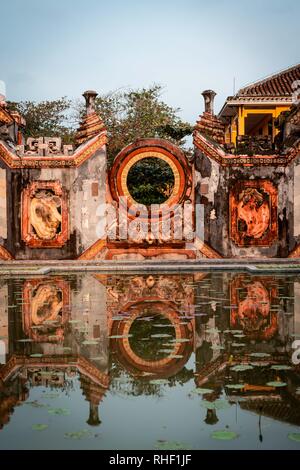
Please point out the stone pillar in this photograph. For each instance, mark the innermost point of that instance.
(209, 96)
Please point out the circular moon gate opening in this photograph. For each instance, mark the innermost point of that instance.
(152, 336)
(150, 181)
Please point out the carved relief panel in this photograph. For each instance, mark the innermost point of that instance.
(253, 306)
(44, 215)
(253, 213)
(46, 309)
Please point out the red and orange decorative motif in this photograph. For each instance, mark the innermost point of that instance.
(44, 215)
(253, 213)
(251, 311)
(46, 309)
(152, 148)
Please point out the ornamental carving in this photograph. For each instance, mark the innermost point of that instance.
(46, 309)
(253, 213)
(252, 302)
(44, 215)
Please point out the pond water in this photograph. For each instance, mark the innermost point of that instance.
(191, 361)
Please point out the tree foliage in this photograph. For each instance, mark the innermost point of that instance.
(137, 114)
(128, 115)
(47, 118)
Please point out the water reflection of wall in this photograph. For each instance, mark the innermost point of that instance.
(3, 322)
(99, 327)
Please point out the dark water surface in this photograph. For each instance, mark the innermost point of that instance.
(197, 361)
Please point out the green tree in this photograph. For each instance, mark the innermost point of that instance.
(47, 118)
(136, 114)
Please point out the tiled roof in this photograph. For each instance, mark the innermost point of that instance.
(279, 84)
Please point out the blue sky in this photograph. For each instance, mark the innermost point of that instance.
(53, 48)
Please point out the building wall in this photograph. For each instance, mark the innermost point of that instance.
(214, 184)
(85, 189)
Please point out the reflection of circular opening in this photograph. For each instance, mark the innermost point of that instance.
(150, 181)
(152, 336)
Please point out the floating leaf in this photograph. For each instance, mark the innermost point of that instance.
(51, 395)
(121, 336)
(276, 384)
(238, 345)
(281, 367)
(36, 404)
(90, 342)
(36, 355)
(260, 354)
(171, 445)
(260, 364)
(162, 335)
(39, 427)
(294, 436)
(215, 405)
(25, 340)
(201, 391)
(239, 336)
(236, 386)
(224, 435)
(77, 435)
(159, 382)
(180, 340)
(175, 356)
(59, 411)
(212, 330)
(217, 347)
(241, 367)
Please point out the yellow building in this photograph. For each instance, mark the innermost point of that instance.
(252, 112)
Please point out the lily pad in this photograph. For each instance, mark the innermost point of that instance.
(180, 340)
(77, 435)
(276, 383)
(213, 330)
(121, 336)
(260, 364)
(59, 411)
(39, 427)
(36, 355)
(51, 395)
(36, 404)
(202, 391)
(224, 435)
(238, 345)
(90, 342)
(236, 386)
(171, 445)
(241, 367)
(217, 347)
(281, 367)
(161, 335)
(260, 354)
(215, 405)
(159, 382)
(294, 436)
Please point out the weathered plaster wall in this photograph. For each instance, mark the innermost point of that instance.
(296, 201)
(85, 188)
(3, 207)
(213, 187)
